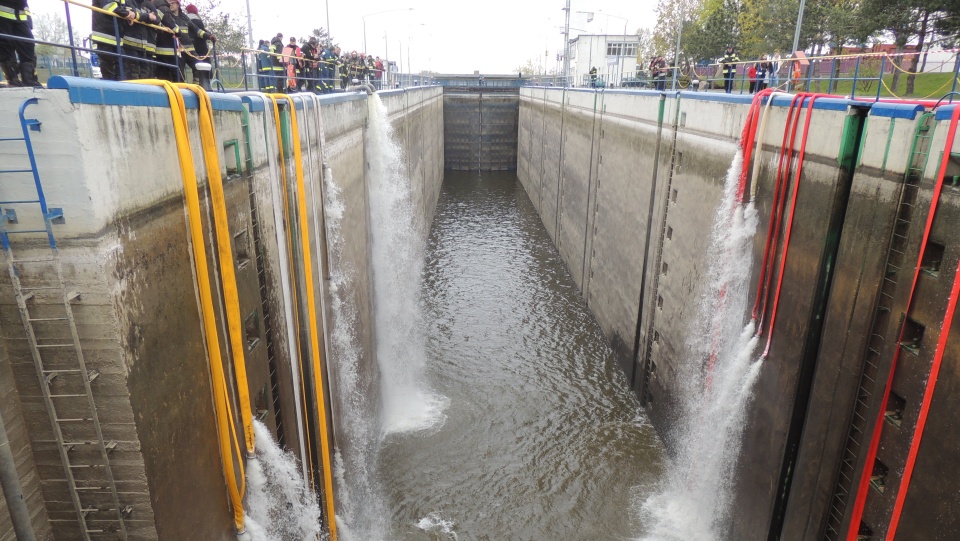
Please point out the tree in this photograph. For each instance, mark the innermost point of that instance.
(52, 27)
(901, 19)
(229, 29)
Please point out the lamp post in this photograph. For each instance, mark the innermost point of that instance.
(364, 19)
(796, 33)
(566, 44)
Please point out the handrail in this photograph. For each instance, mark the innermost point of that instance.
(112, 14)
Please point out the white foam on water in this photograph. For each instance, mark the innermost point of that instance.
(439, 528)
(279, 506)
(693, 501)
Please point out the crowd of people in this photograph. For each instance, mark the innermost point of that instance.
(167, 40)
(764, 73)
(313, 67)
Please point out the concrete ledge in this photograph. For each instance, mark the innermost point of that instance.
(100, 92)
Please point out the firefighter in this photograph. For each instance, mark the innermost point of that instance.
(139, 40)
(17, 58)
(265, 79)
(188, 34)
(328, 62)
(203, 50)
(106, 31)
(276, 47)
(311, 59)
(729, 67)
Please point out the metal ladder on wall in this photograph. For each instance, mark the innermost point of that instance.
(870, 371)
(65, 381)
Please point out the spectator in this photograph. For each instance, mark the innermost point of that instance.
(378, 72)
(763, 69)
(728, 65)
(291, 60)
(593, 77)
(18, 59)
(752, 76)
(775, 63)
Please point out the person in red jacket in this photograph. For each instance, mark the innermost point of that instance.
(752, 75)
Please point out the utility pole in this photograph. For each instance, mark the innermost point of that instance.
(796, 34)
(249, 27)
(566, 45)
(676, 53)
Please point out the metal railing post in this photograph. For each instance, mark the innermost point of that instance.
(833, 69)
(176, 59)
(856, 74)
(116, 34)
(956, 73)
(883, 66)
(243, 61)
(73, 52)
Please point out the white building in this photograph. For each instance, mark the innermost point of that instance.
(614, 56)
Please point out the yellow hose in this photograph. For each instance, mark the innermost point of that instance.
(308, 467)
(312, 317)
(225, 421)
(228, 278)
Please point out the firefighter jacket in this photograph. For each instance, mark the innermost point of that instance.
(15, 10)
(728, 63)
(199, 44)
(184, 30)
(140, 36)
(104, 30)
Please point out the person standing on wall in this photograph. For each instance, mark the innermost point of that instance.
(763, 69)
(18, 59)
(593, 77)
(752, 76)
(728, 65)
(105, 35)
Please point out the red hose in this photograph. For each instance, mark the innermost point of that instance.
(776, 212)
(861, 499)
(793, 207)
(748, 136)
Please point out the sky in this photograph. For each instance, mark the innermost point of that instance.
(444, 36)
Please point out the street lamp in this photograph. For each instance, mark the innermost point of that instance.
(364, 19)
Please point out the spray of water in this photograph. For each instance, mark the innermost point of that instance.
(398, 247)
(693, 503)
(405, 403)
(360, 507)
(280, 507)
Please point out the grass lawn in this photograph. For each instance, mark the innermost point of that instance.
(928, 86)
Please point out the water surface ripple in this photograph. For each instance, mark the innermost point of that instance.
(543, 439)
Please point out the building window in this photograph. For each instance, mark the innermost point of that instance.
(621, 49)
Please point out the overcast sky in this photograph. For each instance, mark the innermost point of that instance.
(446, 36)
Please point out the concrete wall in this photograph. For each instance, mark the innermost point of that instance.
(606, 170)
(106, 155)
